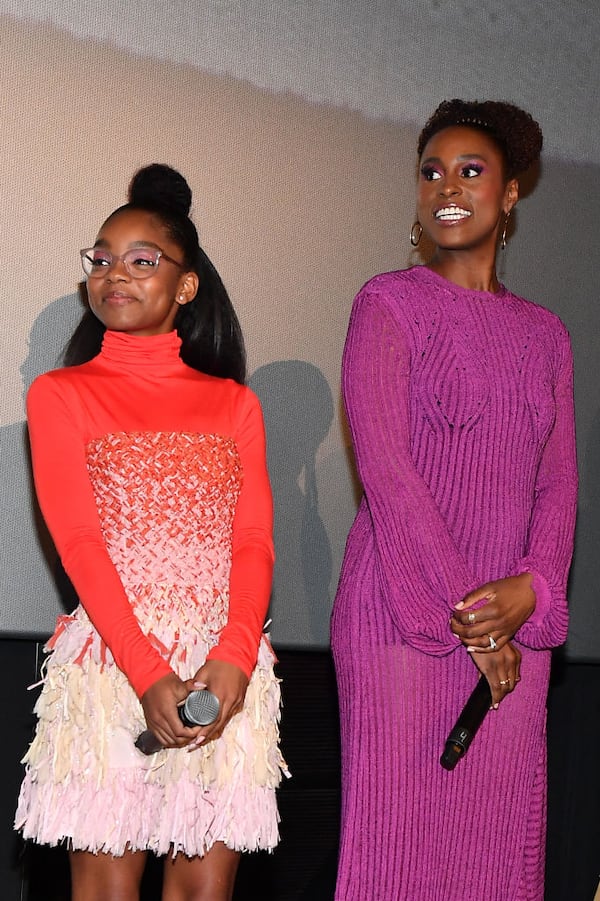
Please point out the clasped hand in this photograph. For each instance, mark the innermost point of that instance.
(485, 622)
(161, 700)
(496, 610)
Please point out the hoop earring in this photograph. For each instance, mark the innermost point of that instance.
(503, 236)
(416, 233)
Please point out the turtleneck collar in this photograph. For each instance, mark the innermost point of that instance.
(155, 353)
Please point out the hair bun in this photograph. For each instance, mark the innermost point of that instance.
(160, 187)
(517, 133)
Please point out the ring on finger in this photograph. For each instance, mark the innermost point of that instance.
(504, 681)
(493, 644)
(471, 617)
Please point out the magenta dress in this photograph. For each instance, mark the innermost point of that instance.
(460, 405)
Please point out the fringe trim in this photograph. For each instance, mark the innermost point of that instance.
(87, 783)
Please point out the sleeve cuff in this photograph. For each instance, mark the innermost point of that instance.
(541, 590)
(229, 655)
(142, 682)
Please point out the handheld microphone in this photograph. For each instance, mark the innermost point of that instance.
(199, 709)
(467, 724)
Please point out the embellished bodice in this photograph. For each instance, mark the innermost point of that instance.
(166, 503)
(152, 478)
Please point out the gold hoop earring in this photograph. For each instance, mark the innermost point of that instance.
(503, 235)
(416, 233)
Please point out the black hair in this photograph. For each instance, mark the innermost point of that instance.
(211, 337)
(516, 133)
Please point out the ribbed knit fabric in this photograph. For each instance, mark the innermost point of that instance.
(460, 405)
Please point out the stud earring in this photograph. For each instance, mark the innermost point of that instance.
(415, 233)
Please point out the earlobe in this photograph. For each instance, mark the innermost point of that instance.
(511, 195)
(188, 289)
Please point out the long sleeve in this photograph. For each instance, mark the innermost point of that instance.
(421, 570)
(550, 539)
(67, 502)
(252, 552)
(461, 411)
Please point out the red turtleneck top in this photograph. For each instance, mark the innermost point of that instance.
(141, 385)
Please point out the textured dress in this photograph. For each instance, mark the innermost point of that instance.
(153, 482)
(460, 405)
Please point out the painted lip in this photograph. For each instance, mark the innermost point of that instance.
(451, 213)
(118, 298)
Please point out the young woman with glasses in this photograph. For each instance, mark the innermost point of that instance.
(149, 463)
(460, 403)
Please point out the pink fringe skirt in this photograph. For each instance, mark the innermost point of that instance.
(87, 785)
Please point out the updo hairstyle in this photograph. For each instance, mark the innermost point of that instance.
(211, 337)
(516, 133)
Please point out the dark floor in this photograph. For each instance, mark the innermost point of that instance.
(303, 866)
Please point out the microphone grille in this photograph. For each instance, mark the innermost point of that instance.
(201, 708)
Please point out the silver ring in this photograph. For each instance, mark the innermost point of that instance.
(471, 617)
(493, 644)
(504, 681)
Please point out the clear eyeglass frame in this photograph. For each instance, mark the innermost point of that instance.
(139, 262)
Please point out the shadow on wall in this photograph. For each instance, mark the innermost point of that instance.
(298, 410)
(33, 588)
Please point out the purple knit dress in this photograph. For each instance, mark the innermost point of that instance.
(460, 405)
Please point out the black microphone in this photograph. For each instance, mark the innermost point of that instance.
(469, 721)
(199, 709)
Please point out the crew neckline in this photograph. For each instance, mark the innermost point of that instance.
(456, 288)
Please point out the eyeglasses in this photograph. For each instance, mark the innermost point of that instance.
(139, 262)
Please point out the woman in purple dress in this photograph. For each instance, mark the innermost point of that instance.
(460, 403)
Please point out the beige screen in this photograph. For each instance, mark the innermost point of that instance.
(296, 127)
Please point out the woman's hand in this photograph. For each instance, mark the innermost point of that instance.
(229, 683)
(502, 669)
(509, 603)
(160, 704)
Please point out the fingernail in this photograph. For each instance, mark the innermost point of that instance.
(459, 606)
(471, 649)
(196, 743)
(199, 684)
(496, 706)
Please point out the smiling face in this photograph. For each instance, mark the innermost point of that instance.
(139, 306)
(463, 195)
